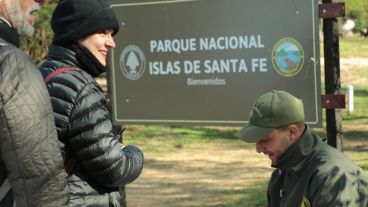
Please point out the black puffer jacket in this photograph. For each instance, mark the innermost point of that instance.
(30, 155)
(84, 125)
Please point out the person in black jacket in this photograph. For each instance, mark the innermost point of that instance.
(83, 35)
(31, 165)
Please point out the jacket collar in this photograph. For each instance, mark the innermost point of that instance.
(75, 58)
(8, 33)
(297, 156)
(64, 55)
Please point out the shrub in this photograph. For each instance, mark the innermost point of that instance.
(36, 46)
(357, 10)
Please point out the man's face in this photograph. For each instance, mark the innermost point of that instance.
(275, 144)
(19, 14)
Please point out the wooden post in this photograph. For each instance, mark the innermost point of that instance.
(337, 81)
(332, 77)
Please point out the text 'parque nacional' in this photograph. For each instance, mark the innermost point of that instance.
(206, 43)
(207, 66)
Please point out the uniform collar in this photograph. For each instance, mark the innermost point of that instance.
(297, 156)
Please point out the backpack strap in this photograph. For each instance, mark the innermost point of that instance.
(57, 72)
(69, 164)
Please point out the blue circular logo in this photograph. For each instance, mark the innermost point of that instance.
(288, 57)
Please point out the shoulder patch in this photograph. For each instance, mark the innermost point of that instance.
(305, 202)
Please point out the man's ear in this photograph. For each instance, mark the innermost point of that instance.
(294, 133)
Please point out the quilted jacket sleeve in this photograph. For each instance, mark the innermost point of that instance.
(96, 146)
(28, 139)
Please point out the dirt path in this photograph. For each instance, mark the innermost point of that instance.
(198, 176)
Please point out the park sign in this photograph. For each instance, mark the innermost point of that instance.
(205, 62)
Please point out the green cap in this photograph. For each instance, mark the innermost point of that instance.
(271, 110)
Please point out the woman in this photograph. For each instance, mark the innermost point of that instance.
(83, 31)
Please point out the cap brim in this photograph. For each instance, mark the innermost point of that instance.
(252, 133)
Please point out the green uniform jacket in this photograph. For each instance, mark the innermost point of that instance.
(311, 173)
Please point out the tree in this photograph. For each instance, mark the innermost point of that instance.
(357, 10)
(36, 46)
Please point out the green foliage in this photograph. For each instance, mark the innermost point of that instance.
(357, 10)
(36, 46)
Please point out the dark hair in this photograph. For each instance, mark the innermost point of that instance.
(299, 124)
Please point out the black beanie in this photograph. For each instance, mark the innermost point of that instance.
(74, 19)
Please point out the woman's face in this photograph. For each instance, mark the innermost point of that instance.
(99, 44)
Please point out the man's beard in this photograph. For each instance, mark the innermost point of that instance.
(18, 18)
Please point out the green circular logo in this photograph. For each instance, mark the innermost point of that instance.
(288, 57)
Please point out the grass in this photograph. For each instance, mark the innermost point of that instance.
(360, 113)
(246, 197)
(351, 47)
(209, 167)
(355, 46)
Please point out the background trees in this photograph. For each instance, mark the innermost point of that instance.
(36, 46)
(357, 10)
